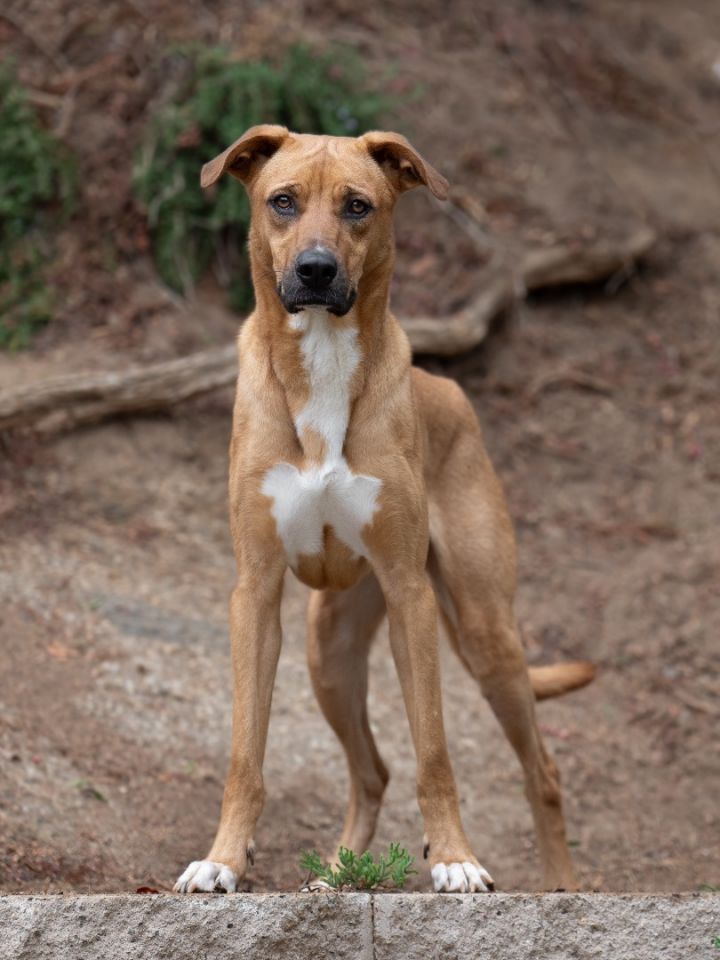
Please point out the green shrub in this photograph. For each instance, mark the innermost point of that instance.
(361, 872)
(307, 92)
(37, 181)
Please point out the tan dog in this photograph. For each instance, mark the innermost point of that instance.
(369, 479)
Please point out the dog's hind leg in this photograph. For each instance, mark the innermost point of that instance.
(472, 564)
(490, 649)
(341, 626)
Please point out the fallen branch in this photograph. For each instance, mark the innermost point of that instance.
(697, 703)
(88, 398)
(566, 378)
(562, 264)
(467, 327)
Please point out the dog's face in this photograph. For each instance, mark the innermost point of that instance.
(321, 207)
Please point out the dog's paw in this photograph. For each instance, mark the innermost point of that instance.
(461, 878)
(207, 876)
(316, 885)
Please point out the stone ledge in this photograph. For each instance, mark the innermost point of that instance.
(360, 926)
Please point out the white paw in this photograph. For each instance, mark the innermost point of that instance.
(315, 886)
(206, 876)
(461, 878)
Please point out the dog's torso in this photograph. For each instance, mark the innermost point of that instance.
(318, 467)
(328, 464)
(321, 505)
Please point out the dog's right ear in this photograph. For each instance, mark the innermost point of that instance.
(243, 158)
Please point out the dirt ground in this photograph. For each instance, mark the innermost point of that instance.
(600, 409)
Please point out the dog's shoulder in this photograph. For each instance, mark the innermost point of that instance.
(441, 397)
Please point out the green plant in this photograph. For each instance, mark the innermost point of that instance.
(37, 182)
(361, 872)
(306, 91)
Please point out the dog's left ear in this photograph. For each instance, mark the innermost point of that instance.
(243, 158)
(402, 164)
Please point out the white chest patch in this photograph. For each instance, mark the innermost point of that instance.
(326, 494)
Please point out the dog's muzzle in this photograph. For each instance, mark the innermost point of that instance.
(316, 280)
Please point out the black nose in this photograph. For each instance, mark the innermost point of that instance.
(317, 268)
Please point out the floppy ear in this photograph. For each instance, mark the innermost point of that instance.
(241, 158)
(402, 164)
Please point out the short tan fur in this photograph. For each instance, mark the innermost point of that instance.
(370, 479)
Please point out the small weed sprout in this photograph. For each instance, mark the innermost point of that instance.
(361, 872)
(217, 101)
(37, 181)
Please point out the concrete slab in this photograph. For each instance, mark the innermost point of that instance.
(362, 927)
(549, 927)
(119, 927)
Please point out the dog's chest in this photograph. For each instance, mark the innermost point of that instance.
(325, 493)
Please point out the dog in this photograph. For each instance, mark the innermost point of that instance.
(368, 477)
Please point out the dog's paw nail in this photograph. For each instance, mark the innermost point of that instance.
(207, 876)
(462, 877)
(486, 878)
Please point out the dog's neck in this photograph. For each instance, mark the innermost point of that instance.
(322, 361)
(296, 341)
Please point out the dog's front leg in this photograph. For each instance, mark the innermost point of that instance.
(412, 616)
(256, 639)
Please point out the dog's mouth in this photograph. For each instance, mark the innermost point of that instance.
(337, 299)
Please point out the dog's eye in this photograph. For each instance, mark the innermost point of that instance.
(358, 208)
(283, 203)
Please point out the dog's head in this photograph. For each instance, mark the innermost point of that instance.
(321, 207)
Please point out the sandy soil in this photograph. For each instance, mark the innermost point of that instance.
(115, 560)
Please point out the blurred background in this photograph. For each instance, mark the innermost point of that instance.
(582, 142)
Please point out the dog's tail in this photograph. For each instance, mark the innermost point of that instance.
(560, 678)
